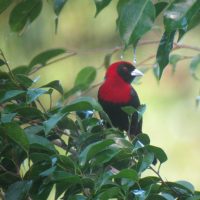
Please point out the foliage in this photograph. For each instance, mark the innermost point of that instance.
(68, 146)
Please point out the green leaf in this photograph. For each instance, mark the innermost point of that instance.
(40, 142)
(23, 69)
(129, 109)
(45, 56)
(187, 185)
(18, 190)
(52, 121)
(55, 85)
(24, 13)
(15, 133)
(194, 65)
(7, 117)
(162, 56)
(100, 5)
(109, 193)
(158, 153)
(194, 21)
(24, 81)
(130, 174)
(62, 176)
(2, 62)
(4, 4)
(58, 6)
(146, 160)
(140, 110)
(159, 7)
(135, 19)
(34, 93)
(29, 113)
(179, 13)
(9, 95)
(173, 60)
(91, 150)
(85, 77)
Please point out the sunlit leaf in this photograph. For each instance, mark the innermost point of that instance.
(24, 13)
(135, 19)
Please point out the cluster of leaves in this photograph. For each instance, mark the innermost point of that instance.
(135, 18)
(67, 148)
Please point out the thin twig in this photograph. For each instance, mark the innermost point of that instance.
(9, 172)
(52, 62)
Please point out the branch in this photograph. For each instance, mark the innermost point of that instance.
(52, 62)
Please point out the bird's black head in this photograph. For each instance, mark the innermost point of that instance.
(127, 71)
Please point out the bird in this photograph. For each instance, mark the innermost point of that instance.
(116, 92)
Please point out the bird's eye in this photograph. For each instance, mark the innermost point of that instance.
(125, 69)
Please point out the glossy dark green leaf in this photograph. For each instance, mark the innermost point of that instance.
(194, 65)
(55, 85)
(85, 77)
(158, 153)
(100, 5)
(109, 193)
(62, 176)
(128, 174)
(183, 188)
(9, 95)
(45, 56)
(40, 142)
(162, 56)
(91, 150)
(173, 60)
(23, 69)
(18, 190)
(29, 113)
(4, 4)
(24, 13)
(58, 5)
(24, 81)
(15, 133)
(78, 197)
(34, 93)
(135, 18)
(52, 121)
(179, 13)
(2, 62)
(187, 185)
(146, 160)
(159, 7)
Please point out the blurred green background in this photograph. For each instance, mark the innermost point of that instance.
(171, 119)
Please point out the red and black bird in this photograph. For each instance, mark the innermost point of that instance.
(117, 92)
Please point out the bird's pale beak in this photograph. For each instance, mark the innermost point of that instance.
(136, 72)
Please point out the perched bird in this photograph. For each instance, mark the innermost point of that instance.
(117, 92)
